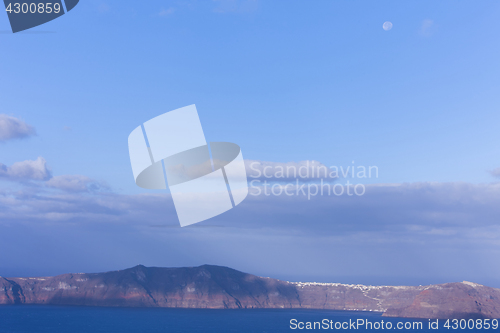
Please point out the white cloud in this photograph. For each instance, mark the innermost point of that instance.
(13, 128)
(26, 170)
(38, 171)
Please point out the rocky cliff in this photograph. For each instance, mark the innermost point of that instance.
(220, 287)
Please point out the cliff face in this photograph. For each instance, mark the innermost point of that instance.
(452, 300)
(220, 287)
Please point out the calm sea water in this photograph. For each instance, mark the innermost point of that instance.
(55, 319)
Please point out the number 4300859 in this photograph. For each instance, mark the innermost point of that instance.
(33, 8)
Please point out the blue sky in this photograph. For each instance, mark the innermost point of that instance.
(288, 81)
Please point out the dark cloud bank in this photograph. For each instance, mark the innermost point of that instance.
(420, 232)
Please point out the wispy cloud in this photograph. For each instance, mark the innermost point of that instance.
(427, 28)
(42, 206)
(495, 172)
(26, 170)
(76, 183)
(103, 8)
(166, 12)
(13, 128)
(236, 6)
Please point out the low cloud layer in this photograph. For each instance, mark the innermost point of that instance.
(421, 230)
(13, 128)
(413, 210)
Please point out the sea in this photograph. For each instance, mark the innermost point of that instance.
(68, 319)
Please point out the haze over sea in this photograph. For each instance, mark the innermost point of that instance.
(58, 319)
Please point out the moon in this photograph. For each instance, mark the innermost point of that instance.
(387, 25)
